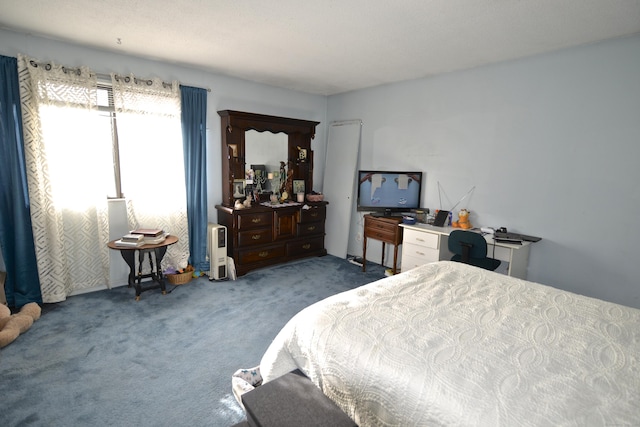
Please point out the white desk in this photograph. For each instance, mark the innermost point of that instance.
(423, 243)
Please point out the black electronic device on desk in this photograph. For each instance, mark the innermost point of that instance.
(503, 236)
(441, 218)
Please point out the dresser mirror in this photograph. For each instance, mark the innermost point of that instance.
(257, 139)
(264, 152)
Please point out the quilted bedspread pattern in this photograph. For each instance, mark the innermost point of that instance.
(449, 344)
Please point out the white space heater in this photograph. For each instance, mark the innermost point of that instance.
(217, 248)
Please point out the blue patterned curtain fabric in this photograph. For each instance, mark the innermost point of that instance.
(194, 125)
(16, 236)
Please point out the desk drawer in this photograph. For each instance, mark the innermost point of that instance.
(409, 262)
(421, 238)
(380, 225)
(420, 252)
(380, 234)
(254, 237)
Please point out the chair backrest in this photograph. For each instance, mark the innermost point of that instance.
(467, 244)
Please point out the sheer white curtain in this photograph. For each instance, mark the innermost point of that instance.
(68, 171)
(151, 159)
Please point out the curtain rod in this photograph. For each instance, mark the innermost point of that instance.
(148, 81)
(47, 66)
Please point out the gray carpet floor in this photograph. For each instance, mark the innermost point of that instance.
(103, 359)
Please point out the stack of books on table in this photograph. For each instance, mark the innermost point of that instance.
(150, 236)
(131, 241)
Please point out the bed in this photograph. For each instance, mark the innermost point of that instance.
(451, 344)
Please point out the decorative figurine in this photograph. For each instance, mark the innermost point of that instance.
(288, 185)
(463, 220)
(283, 177)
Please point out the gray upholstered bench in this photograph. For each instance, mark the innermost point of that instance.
(292, 400)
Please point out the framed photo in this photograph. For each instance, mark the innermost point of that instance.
(238, 189)
(298, 186)
(260, 172)
(302, 154)
(233, 150)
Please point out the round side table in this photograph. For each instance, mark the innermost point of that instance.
(156, 276)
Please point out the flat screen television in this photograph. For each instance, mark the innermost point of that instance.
(388, 193)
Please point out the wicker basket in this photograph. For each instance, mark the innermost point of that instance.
(181, 278)
(315, 197)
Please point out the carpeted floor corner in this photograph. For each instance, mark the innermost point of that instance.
(103, 359)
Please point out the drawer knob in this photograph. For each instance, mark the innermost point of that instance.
(306, 246)
(311, 228)
(256, 220)
(256, 237)
(263, 254)
(419, 239)
(315, 214)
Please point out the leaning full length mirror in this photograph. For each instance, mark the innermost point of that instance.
(266, 149)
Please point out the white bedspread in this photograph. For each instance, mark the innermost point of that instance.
(450, 344)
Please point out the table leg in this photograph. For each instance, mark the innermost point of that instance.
(395, 258)
(364, 253)
(139, 276)
(159, 276)
(382, 263)
(129, 258)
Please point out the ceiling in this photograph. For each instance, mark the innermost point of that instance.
(325, 46)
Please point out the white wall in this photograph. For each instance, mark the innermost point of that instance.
(552, 144)
(226, 94)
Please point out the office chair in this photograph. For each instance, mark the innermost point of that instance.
(471, 248)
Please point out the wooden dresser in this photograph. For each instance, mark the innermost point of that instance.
(261, 236)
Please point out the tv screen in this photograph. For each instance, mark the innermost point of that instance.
(388, 192)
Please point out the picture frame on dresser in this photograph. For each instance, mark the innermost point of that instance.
(233, 150)
(239, 189)
(298, 186)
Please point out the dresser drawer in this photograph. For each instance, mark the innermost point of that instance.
(248, 256)
(316, 213)
(305, 247)
(310, 228)
(259, 236)
(421, 238)
(248, 221)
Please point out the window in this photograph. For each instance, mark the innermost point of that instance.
(77, 154)
(76, 148)
(107, 113)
